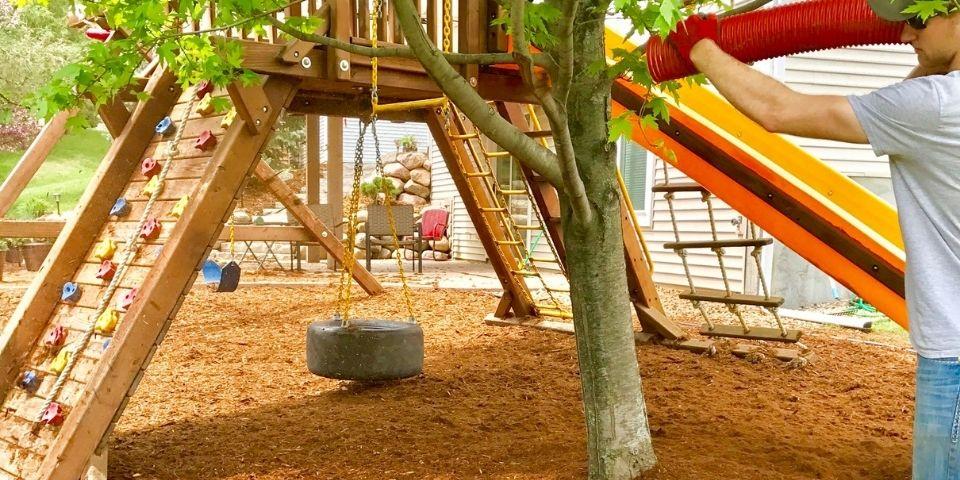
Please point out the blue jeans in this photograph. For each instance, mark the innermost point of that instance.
(936, 426)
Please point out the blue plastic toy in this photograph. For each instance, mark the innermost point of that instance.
(120, 208)
(163, 127)
(29, 381)
(106, 343)
(70, 292)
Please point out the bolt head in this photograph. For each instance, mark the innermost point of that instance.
(305, 62)
(473, 82)
(344, 65)
(257, 122)
(296, 54)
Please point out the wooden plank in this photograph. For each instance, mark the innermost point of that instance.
(189, 168)
(298, 49)
(134, 277)
(501, 257)
(30, 317)
(335, 175)
(472, 34)
(326, 237)
(755, 333)
(313, 174)
(30, 161)
(175, 271)
(733, 298)
(252, 105)
(267, 233)
(173, 190)
(114, 115)
(341, 26)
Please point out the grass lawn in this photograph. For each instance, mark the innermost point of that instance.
(66, 171)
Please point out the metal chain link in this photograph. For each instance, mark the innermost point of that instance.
(344, 290)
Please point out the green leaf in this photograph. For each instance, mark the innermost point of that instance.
(619, 126)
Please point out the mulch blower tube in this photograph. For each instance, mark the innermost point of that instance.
(786, 30)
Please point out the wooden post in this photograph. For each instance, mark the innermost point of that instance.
(472, 36)
(114, 115)
(335, 174)
(313, 174)
(341, 23)
(31, 160)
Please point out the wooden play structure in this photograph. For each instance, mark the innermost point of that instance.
(71, 358)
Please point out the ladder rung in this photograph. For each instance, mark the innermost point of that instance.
(760, 242)
(529, 227)
(544, 260)
(496, 154)
(539, 133)
(550, 311)
(513, 192)
(411, 105)
(558, 290)
(478, 174)
(678, 187)
(525, 273)
(464, 136)
(754, 333)
(720, 296)
(493, 209)
(509, 242)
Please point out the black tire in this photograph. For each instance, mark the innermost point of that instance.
(366, 351)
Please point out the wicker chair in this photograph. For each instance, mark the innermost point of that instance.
(378, 224)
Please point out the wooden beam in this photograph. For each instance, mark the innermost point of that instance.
(31, 160)
(297, 49)
(265, 233)
(313, 174)
(327, 238)
(341, 27)
(472, 34)
(114, 115)
(335, 174)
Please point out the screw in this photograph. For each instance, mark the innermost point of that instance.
(264, 109)
(258, 122)
(296, 54)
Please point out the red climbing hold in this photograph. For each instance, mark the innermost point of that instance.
(107, 270)
(203, 88)
(55, 337)
(206, 141)
(149, 167)
(150, 230)
(98, 34)
(53, 415)
(127, 300)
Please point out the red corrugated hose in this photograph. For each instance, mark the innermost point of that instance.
(785, 30)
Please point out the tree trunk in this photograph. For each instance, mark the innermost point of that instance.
(618, 435)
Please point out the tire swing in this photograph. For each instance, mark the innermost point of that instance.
(365, 349)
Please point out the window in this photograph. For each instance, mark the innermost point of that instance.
(636, 166)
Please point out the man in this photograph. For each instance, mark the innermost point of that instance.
(917, 123)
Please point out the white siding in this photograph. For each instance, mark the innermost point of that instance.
(463, 237)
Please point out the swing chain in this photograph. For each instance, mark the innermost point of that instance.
(344, 291)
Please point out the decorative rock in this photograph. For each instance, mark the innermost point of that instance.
(29, 381)
(107, 321)
(59, 363)
(385, 253)
(415, 188)
(70, 292)
(53, 415)
(396, 170)
(105, 250)
(107, 270)
(412, 160)
(440, 256)
(151, 229)
(407, 199)
(150, 167)
(242, 217)
(206, 141)
(442, 245)
(397, 183)
(359, 253)
(120, 208)
(407, 253)
(165, 126)
(361, 216)
(56, 337)
(125, 301)
(421, 176)
(180, 206)
(360, 241)
(428, 166)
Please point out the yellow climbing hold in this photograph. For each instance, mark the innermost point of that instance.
(152, 186)
(105, 249)
(107, 321)
(228, 118)
(205, 107)
(177, 210)
(59, 363)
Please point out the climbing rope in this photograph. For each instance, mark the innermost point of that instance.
(128, 254)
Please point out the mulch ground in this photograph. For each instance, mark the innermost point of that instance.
(228, 396)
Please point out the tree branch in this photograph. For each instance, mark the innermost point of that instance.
(400, 52)
(503, 133)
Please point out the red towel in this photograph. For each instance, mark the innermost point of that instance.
(434, 224)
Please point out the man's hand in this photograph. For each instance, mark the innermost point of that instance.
(692, 30)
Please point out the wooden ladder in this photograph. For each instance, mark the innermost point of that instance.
(104, 377)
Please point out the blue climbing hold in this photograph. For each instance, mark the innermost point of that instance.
(29, 381)
(163, 127)
(70, 292)
(120, 208)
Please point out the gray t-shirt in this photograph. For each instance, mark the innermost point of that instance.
(917, 123)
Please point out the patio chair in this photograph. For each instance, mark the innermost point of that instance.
(408, 231)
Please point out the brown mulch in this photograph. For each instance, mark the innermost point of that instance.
(228, 397)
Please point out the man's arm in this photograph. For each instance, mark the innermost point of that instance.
(774, 105)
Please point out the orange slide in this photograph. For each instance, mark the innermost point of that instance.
(834, 223)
